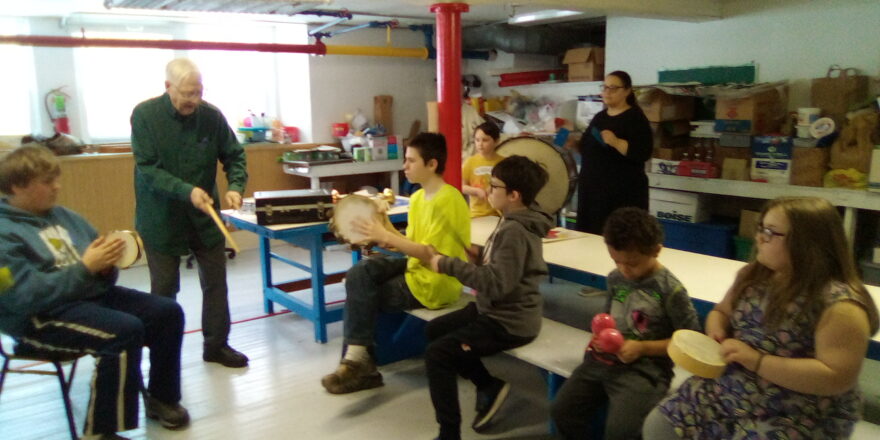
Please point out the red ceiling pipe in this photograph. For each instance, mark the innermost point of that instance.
(36, 40)
(449, 84)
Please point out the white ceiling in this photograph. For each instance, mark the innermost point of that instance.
(413, 11)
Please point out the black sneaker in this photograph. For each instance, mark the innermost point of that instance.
(226, 356)
(489, 401)
(171, 416)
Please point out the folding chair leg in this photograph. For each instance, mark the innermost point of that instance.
(68, 408)
(3, 372)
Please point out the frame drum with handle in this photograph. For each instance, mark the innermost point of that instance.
(351, 207)
(133, 249)
(559, 164)
(696, 353)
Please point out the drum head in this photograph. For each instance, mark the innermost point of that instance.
(560, 167)
(697, 353)
(133, 249)
(346, 210)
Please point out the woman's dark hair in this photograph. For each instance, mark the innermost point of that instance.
(627, 84)
(489, 129)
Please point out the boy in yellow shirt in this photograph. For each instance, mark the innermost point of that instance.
(477, 169)
(438, 218)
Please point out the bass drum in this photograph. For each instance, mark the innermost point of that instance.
(559, 164)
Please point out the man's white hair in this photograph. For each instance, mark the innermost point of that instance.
(180, 69)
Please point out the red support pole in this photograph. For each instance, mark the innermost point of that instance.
(449, 98)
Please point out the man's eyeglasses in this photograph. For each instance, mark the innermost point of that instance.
(493, 187)
(604, 88)
(766, 233)
(192, 94)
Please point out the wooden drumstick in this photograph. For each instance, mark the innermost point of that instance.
(223, 229)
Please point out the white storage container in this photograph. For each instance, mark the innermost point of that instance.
(678, 205)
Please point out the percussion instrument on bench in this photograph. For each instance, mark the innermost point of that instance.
(696, 353)
(132, 251)
(559, 164)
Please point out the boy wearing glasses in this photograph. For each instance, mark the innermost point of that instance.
(508, 308)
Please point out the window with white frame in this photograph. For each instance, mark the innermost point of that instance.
(112, 81)
(20, 105)
(237, 82)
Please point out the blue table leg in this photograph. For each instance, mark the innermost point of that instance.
(318, 301)
(554, 383)
(266, 268)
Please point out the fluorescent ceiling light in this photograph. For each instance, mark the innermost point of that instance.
(544, 16)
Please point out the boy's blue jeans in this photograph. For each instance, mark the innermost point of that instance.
(374, 285)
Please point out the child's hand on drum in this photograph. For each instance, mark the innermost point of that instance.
(734, 350)
(101, 254)
(372, 230)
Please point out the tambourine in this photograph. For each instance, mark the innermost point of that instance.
(559, 164)
(133, 249)
(696, 353)
(353, 206)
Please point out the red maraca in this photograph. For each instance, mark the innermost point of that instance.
(609, 340)
(602, 321)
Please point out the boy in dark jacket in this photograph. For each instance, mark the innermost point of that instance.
(507, 313)
(64, 298)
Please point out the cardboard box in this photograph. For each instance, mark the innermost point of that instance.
(585, 63)
(772, 147)
(735, 169)
(759, 113)
(735, 140)
(748, 223)
(673, 153)
(771, 171)
(661, 166)
(809, 165)
(670, 134)
(678, 205)
(660, 106)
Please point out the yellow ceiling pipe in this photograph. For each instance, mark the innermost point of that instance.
(421, 53)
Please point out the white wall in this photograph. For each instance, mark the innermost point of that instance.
(787, 39)
(342, 84)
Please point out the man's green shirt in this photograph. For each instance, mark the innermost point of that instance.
(173, 154)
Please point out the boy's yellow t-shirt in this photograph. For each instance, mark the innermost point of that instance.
(442, 222)
(477, 172)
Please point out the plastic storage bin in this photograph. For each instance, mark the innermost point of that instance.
(742, 247)
(870, 272)
(709, 238)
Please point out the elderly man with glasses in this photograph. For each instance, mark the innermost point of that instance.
(177, 140)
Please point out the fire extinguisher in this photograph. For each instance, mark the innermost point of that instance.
(56, 106)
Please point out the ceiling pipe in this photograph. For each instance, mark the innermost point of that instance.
(318, 48)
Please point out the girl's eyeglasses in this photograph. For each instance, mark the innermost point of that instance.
(767, 233)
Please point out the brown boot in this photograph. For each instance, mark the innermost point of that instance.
(352, 376)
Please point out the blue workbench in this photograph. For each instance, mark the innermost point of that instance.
(312, 237)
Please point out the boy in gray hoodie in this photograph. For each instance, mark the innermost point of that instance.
(508, 308)
(64, 299)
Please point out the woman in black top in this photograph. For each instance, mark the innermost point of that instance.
(614, 149)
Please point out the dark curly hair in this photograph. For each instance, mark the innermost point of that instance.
(633, 229)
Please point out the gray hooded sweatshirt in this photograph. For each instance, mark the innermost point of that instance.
(511, 267)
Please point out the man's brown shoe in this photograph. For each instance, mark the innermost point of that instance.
(170, 415)
(352, 376)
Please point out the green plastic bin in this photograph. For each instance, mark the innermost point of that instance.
(742, 247)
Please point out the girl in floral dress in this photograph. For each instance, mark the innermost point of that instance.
(793, 328)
